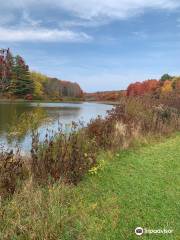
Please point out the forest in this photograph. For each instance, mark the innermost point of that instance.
(18, 82)
(167, 85)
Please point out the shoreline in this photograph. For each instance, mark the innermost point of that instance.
(44, 101)
(56, 101)
(105, 102)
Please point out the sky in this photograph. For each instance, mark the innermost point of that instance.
(100, 44)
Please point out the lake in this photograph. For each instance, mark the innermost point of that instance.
(11, 117)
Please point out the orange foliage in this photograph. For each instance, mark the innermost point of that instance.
(139, 89)
(105, 96)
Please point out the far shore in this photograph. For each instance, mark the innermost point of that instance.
(60, 101)
(43, 100)
(104, 102)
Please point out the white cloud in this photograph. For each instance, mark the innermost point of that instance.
(82, 13)
(41, 34)
(114, 9)
(89, 9)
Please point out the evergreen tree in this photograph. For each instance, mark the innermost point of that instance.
(21, 84)
(166, 77)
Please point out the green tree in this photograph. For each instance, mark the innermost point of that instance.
(166, 77)
(21, 83)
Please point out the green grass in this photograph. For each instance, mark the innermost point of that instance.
(133, 188)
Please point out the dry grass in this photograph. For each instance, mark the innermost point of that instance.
(136, 187)
(68, 157)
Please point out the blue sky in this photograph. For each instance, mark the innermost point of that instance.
(101, 44)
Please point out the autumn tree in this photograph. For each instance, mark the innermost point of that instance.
(54, 88)
(39, 81)
(142, 88)
(17, 80)
(167, 87)
(6, 65)
(176, 83)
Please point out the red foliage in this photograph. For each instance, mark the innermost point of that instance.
(105, 96)
(139, 89)
(29, 97)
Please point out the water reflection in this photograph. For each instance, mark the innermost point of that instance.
(8, 113)
(13, 118)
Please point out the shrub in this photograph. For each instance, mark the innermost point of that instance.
(132, 118)
(67, 156)
(12, 172)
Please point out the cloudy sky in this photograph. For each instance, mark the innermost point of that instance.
(101, 44)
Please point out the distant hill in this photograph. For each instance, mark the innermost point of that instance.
(105, 96)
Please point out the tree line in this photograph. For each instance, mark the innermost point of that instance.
(17, 81)
(167, 84)
(14, 75)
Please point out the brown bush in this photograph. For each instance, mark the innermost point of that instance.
(172, 99)
(12, 172)
(132, 118)
(67, 156)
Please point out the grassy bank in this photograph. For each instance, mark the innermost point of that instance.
(135, 187)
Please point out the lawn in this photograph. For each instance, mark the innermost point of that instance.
(137, 187)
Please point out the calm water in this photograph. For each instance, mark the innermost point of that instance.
(63, 112)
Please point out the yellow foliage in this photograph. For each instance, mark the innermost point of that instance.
(36, 76)
(176, 83)
(167, 87)
(96, 169)
(38, 88)
(38, 79)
